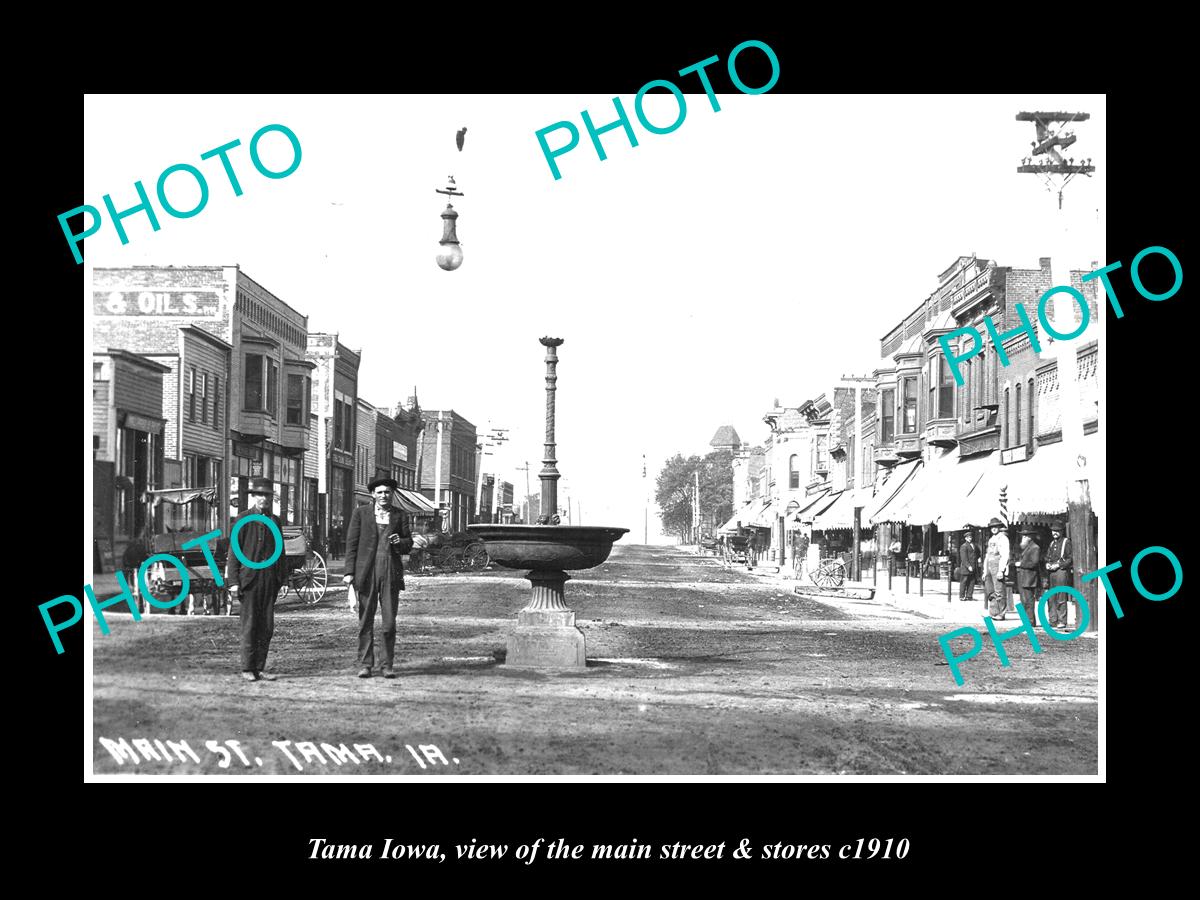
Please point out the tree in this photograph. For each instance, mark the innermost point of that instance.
(676, 484)
(673, 494)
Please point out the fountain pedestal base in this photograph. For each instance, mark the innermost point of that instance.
(546, 636)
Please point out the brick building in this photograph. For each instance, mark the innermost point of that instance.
(958, 444)
(448, 452)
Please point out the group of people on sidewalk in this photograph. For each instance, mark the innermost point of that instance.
(377, 539)
(1027, 568)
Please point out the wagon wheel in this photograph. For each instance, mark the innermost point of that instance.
(831, 574)
(311, 579)
(476, 556)
(826, 577)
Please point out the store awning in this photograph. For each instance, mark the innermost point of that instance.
(806, 512)
(840, 514)
(949, 496)
(899, 476)
(765, 517)
(180, 496)
(413, 503)
(810, 513)
(743, 516)
(1038, 486)
(895, 508)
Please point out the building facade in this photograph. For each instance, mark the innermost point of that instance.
(127, 448)
(234, 398)
(335, 397)
(448, 465)
(365, 446)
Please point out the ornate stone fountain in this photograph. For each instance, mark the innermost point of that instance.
(546, 635)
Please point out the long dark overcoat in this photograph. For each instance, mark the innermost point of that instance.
(362, 540)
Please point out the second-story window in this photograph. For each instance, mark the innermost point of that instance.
(887, 411)
(253, 389)
(945, 389)
(1029, 405)
(295, 400)
(821, 450)
(1017, 419)
(908, 405)
(794, 472)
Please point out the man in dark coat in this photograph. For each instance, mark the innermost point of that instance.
(1029, 567)
(968, 566)
(256, 588)
(378, 536)
(1058, 574)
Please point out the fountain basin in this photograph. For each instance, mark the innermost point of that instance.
(548, 547)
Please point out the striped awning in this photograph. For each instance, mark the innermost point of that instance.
(1038, 486)
(894, 508)
(413, 503)
(840, 513)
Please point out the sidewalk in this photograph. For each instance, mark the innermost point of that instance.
(933, 604)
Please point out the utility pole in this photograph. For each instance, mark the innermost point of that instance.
(493, 437)
(646, 511)
(1052, 137)
(437, 473)
(525, 469)
(696, 508)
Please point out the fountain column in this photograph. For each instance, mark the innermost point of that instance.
(546, 634)
(549, 474)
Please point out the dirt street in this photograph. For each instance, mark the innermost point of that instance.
(692, 670)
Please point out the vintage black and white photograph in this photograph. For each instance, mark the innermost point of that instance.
(701, 431)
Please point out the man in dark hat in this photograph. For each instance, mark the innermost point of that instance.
(968, 565)
(995, 565)
(378, 536)
(1058, 574)
(256, 589)
(1029, 567)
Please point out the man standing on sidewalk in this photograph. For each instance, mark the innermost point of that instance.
(994, 568)
(1058, 573)
(256, 588)
(968, 566)
(1028, 570)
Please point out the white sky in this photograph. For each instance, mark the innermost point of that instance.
(754, 253)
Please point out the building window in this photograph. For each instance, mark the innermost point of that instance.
(272, 387)
(945, 389)
(1004, 438)
(821, 450)
(1029, 404)
(97, 371)
(794, 472)
(887, 409)
(191, 393)
(908, 405)
(203, 398)
(296, 414)
(1017, 419)
(216, 392)
(262, 384)
(254, 382)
